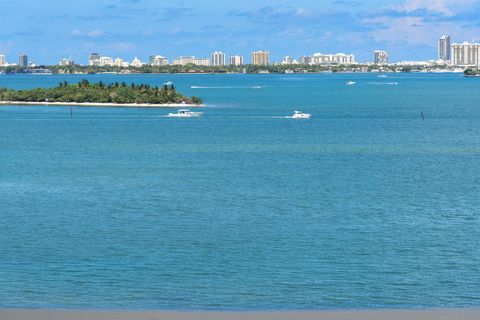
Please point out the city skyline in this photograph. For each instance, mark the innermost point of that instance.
(405, 29)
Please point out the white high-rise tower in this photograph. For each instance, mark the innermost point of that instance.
(444, 51)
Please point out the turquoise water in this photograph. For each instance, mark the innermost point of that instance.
(365, 205)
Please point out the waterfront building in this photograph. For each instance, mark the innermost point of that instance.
(157, 60)
(93, 59)
(218, 58)
(105, 61)
(260, 58)
(289, 60)
(236, 60)
(3, 60)
(465, 54)
(380, 57)
(184, 60)
(305, 60)
(136, 63)
(201, 62)
(444, 48)
(330, 59)
(66, 62)
(23, 60)
(118, 62)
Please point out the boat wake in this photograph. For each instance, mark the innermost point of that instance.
(226, 87)
(384, 83)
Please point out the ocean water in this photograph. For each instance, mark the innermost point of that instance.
(365, 205)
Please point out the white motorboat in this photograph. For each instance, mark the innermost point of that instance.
(301, 115)
(350, 83)
(185, 113)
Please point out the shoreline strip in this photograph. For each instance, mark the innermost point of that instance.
(95, 104)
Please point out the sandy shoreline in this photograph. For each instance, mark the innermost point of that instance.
(20, 314)
(93, 104)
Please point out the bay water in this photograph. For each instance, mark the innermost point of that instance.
(374, 202)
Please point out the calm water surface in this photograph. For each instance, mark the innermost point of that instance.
(365, 205)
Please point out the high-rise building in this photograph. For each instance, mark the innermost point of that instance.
(66, 62)
(118, 62)
(136, 63)
(218, 58)
(105, 61)
(23, 60)
(320, 58)
(260, 58)
(93, 59)
(3, 60)
(465, 54)
(380, 57)
(191, 60)
(444, 49)
(158, 61)
(289, 60)
(236, 60)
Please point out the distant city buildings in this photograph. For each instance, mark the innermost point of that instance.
(218, 58)
(3, 60)
(105, 61)
(137, 63)
(23, 60)
(465, 54)
(320, 58)
(158, 61)
(118, 62)
(236, 61)
(184, 60)
(260, 58)
(289, 60)
(444, 49)
(380, 57)
(94, 59)
(66, 62)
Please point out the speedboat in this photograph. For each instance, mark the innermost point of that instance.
(301, 115)
(350, 83)
(185, 113)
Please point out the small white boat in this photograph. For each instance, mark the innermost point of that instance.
(185, 113)
(382, 76)
(350, 83)
(301, 115)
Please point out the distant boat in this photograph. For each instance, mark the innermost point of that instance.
(185, 113)
(382, 76)
(350, 83)
(168, 83)
(300, 115)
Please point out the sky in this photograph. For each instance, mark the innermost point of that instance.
(48, 30)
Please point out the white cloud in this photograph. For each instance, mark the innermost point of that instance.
(445, 7)
(93, 33)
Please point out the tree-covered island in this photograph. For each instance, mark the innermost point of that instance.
(472, 72)
(113, 93)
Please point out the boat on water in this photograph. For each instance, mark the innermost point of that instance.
(350, 83)
(185, 113)
(300, 115)
(382, 76)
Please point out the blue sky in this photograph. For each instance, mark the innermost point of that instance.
(408, 29)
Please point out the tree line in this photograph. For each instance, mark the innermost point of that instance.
(84, 91)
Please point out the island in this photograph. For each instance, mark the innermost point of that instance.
(472, 72)
(85, 93)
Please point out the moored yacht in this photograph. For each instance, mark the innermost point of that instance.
(350, 83)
